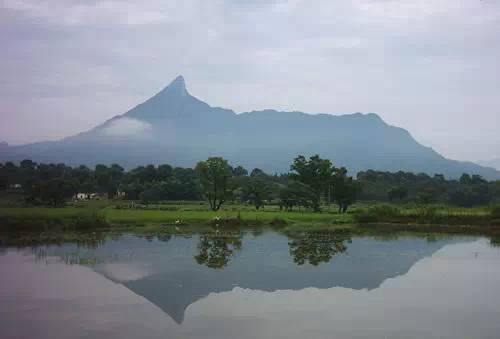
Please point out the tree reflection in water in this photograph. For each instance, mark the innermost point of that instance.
(21, 240)
(316, 248)
(215, 250)
(495, 241)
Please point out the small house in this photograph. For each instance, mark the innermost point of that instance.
(82, 196)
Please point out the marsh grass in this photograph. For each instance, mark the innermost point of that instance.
(425, 214)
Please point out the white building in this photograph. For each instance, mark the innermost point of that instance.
(82, 196)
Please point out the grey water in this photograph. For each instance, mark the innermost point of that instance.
(252, 285)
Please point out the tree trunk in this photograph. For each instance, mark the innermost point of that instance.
(220, 204)
(344, 208)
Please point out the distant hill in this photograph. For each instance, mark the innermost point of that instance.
(177, 128)
(494, 163)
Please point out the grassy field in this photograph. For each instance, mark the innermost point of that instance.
(195, 215)
(174, 215)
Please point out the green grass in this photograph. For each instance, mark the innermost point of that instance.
(184, 214)
(189, 216)
(195, 215)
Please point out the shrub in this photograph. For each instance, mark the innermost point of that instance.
(378, 213)
(430, 214)
(495, 212)
(89, 220)
(278, 222)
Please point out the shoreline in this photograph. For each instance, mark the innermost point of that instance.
(196, 218)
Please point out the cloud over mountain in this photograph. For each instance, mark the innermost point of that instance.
(127, 127)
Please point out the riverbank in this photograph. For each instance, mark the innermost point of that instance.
(186, 217)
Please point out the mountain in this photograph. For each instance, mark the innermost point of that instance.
(175, 127)
(494, 163)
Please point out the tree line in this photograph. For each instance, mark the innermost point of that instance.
(311, 183)
(466, 191)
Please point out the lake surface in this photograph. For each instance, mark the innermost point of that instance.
(248, 285)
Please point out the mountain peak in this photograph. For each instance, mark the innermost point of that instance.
(178, 82)
(177, 87)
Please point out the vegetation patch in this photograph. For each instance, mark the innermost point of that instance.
(45, 219)
(425, 214)
(314, 195)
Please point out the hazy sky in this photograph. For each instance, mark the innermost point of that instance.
(432, 67)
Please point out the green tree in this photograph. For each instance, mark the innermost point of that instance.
(215, 177)
(465, 179)
(85, 178)
(151, 195)
(132, 190)
(471, 195)
(346, 192)
(103, 178)
(164, 172)
(257, 191)
(296, 194)
(4, 178)
(317, 173)
(185, 184)
(239, 171)
(428, 195)
(257, 172)
(397, 193)
(53, 192)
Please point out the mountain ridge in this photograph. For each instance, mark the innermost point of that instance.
(493, 163)
(175, 127)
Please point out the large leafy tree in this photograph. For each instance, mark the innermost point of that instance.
(164, 172)
(240, 171)
(397, 193)
(184, 185)
(53, 192)
(215, 177)
(316, 172)
(107, 178)
(103, 178)
(257, 190)
(295, 194)
(132, 190)
(346, 192)
(468, 195)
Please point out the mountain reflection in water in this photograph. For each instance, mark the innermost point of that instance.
(174, 272)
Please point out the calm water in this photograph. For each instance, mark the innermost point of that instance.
(252, 286)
